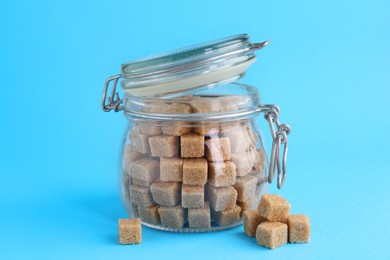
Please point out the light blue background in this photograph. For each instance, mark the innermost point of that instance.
(327, 67)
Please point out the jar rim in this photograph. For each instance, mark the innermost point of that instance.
(199, 65)
(247, 100)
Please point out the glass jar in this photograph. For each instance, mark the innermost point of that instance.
(193, 158)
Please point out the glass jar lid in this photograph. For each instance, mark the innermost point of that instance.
(196, 67)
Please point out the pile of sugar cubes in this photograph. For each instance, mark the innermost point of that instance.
(272, 224)
(194, 175)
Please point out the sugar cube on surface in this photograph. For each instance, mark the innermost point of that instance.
(252, 219)
(298, 228)
(274, 208)
(130, 231)
(271, 234)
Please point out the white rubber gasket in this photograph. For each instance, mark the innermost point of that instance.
(191, 82)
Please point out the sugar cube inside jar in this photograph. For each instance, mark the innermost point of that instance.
(192, 154)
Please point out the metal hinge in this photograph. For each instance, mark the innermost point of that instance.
(114, 101)
(279, 137)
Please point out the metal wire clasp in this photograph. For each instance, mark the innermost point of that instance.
(114, 101)
(279, 137)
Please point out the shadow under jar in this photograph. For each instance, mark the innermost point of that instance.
(192, 157)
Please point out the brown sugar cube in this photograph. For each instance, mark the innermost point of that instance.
(246, 187)
(171, 169)
(128, 158)
(195, 171)
(229, 105)
(258, 158)
(228, 216)
(134, 211)
(145, 171)
(252, 134)
(244, 163)
(259, 167)
(176, 128)
(298, 228)
(261, 189)
(125, 184)
(130, 231)
(176, 108)
(238, 141)
(148, 128)
(230, 126)
(205, 106)
(271, 234)
(155, 107)
(130, 155)
(252, 203)
(166, 193)
(164, 145)
(149, 215)
(252, 219)
(192, 145)
(218, 149)
(222, 173)
(260, 176)
(141, 196)
(274, 208)
(207, 128)
(208, 105)
(134, 129)
(245, 205)
(199, 218)
(192, 196)
(172, 217)
(140, 142)
(221, 198)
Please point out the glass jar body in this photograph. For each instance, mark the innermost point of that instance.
(187, 176)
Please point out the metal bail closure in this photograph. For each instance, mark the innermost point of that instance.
(279, 137)
(114, 101)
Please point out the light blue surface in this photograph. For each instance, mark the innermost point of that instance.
(327, 67)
